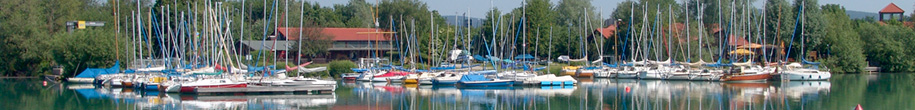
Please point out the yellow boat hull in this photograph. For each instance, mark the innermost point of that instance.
(411, 81)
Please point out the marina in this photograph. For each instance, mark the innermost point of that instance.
(405, 54)
(841, 92)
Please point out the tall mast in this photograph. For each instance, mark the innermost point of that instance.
(286, 24)
(688, 38)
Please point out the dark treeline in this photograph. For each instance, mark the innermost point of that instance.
(34, 36)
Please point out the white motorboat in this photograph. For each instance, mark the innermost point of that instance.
(795, 72)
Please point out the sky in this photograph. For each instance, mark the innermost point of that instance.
(478, 8)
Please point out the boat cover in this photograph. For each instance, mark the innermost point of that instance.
(93, 72)
(471, 77)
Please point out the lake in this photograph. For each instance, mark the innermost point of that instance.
(842, 92)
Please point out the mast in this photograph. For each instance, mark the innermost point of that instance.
(669, 31)
(550, 53)
(631, 48)
(117, 28)
(242, 24)
(688, 38)
(301, 29)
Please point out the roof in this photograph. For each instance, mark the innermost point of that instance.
(268, 45)
(737, 41)
(892, 8)
(356, 34)
(607, 31)
(338, 34)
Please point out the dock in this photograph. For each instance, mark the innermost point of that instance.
(269, 89)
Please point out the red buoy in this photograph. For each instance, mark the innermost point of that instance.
(858, 107)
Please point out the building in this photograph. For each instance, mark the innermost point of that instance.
(345, 43)
(891, 11)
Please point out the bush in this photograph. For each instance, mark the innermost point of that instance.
(555, 68)
(337, 67)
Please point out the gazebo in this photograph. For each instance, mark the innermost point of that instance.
(890, 11)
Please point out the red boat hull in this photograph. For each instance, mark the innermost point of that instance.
(192, 88)
(745, 77)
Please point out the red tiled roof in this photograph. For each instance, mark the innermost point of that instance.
(892, 8)
(356, 34)
(339, 34)
(293, 33)
(607, 31)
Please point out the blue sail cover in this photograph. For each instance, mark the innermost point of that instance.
(480, 58)
(483, 72)
(610, 65)
(443, 68)
(93, 72)
(804, 60)
(524, 56)
(471, 77)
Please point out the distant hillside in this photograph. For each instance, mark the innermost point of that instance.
(859, 14)
(459, 20)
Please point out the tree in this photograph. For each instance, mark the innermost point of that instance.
(812, 28)
(844, 49)
(358, 13)
(539, 16)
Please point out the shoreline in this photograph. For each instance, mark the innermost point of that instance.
(17, 77)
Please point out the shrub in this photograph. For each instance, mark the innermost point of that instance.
(555, 68)
(340, 66)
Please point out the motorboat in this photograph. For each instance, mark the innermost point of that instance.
(350, 76)
(796, 72)
(745, 74)
(553, 80)
(392, 76)
(211, 83)
(474, 80)
(446, 79)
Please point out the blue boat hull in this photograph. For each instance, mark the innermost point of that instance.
(503, 83)
(437, 82)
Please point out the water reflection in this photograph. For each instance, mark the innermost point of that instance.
(589, 94)
(156, 100)
(595, 94)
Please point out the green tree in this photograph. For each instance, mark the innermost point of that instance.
(843, 43)
(360, 14)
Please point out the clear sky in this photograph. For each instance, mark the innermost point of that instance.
(478, 8)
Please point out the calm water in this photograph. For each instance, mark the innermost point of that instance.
(842, 92)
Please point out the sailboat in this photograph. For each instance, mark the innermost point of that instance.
(746, 71)
(796, 71)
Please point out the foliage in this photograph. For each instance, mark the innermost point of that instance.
(338, 67)
(887, 46)
(844, 50)
(91, 48)
(555, 68)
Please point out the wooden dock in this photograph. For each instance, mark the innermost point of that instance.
(279, 89)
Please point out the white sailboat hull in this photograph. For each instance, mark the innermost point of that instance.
(798, 76)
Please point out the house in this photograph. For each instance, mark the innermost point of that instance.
(345, 43)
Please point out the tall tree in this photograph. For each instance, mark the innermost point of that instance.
(844, 49)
